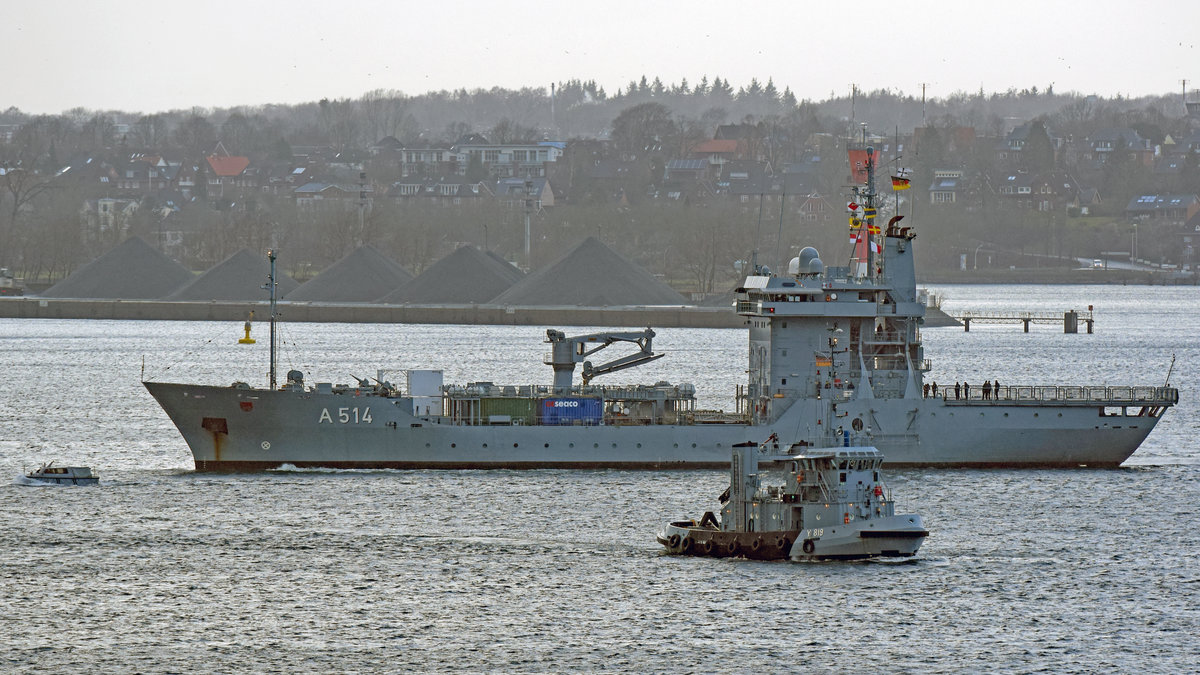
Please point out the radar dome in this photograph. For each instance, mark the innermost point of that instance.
(809, 261)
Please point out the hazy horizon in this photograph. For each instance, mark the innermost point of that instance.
(147, 57)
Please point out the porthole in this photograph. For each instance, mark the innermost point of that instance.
(595, 445)
(676, 445)
(614, 445)
(427, 445)
(453, 445)
(514, 445)
(485, 445)
(1006, 414)
(639, 445)
(693, 445)
(545, 445)
(1035, 414)
(570, 445)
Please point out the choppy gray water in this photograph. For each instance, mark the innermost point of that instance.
(161, 569)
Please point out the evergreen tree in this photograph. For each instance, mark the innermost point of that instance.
(1037, 156)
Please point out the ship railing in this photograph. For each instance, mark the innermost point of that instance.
(1146, 395)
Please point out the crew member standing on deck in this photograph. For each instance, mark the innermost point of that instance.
(996, 388)
(957, 391)
(934, 389)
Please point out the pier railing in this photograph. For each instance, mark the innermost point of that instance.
(1085, 394)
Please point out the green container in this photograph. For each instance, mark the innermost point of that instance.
(519, 410)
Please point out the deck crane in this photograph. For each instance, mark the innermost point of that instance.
(567, 351)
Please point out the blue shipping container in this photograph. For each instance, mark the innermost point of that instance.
(571, 411)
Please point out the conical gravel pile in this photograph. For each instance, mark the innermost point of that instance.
(467, 276)
(362, 276)
(239, 278)
(133, 270)
(590, 275)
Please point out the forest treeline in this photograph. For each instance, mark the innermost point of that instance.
(577, 109)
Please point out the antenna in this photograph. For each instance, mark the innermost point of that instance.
(362, 202)
(271, 287)
(758, 232)
(779, 237)
(923, 84)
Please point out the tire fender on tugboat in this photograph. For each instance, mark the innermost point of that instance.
(809, 546)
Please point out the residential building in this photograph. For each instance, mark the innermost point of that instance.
(948, 187)
(1164, 208)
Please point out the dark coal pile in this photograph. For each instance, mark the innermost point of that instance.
(363, 276)
(133, 270)
(510, 270)
(467, 276)
(590, 275)
(240, 277)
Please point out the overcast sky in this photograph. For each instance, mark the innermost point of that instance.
(142, 56)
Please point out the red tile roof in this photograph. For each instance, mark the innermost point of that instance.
(717, 146)
(226, 165)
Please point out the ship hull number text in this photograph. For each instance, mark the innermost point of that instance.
(353, 415)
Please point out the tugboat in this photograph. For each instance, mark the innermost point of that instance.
(63, 475)
(833, 505)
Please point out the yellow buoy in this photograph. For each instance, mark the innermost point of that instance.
(247, 340)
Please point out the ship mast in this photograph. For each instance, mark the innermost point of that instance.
(271, 286)
(870, 209)
(864, 259)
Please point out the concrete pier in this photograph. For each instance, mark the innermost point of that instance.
(673, 316)
(1070, 319)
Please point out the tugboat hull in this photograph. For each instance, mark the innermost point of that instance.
(686, 538)
(895, 537)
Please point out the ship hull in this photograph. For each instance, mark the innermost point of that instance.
(239, 429)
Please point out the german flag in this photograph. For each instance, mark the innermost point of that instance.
(899, 183)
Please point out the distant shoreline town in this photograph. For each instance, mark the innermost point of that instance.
(693, 183)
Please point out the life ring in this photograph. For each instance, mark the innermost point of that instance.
(685, 544)
(809, 546)
(706, 546)
(756, 545)
(673, 541)
(731, 547)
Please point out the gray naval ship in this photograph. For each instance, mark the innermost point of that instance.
(833, 353)
(832, 505)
